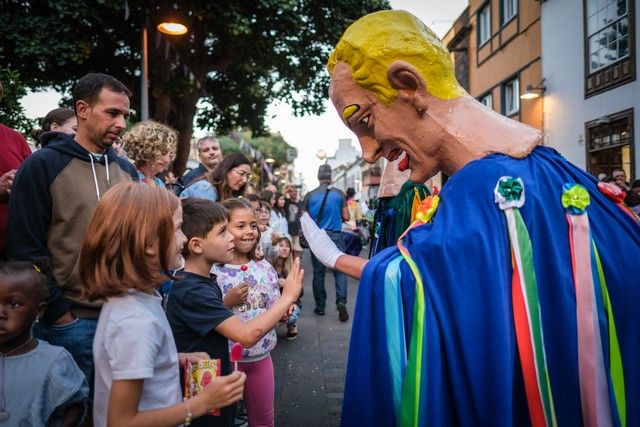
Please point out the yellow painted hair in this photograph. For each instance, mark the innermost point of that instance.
(375, 41)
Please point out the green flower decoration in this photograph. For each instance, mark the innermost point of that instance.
(575, 198)
(509, 192)
(510, 189)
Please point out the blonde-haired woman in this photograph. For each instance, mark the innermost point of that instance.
(151, 146)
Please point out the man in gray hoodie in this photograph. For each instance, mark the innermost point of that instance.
(55, 193)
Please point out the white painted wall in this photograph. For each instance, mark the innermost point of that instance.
(565, 109)
(345, 154)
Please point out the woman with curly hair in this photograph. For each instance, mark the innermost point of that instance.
(151, 146)
(228, 180)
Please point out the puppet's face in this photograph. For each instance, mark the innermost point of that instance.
(394, 131)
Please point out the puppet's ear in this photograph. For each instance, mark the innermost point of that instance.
(409, 82)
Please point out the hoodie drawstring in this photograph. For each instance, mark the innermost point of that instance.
(106, 160)
(95, 178)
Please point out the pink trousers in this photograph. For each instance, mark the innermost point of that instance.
(259, 392)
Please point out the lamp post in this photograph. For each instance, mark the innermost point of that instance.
(170, 27)
(144, 94)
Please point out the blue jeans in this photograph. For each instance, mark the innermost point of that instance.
(319, 270)
(293, 319)
(77, 338)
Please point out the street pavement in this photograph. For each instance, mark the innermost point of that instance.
(310, 370)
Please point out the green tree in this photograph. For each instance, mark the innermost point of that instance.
(237, 56)
(11, 112)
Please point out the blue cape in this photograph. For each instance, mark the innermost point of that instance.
(471, 373)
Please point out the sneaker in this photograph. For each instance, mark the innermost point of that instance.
(343, 314)
(292, 332)
(318, 311)
(240, 422)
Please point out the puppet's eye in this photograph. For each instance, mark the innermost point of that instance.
(364, 121)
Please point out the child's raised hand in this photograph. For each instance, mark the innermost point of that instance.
(274, 238)
(223, 391)
(293, 283)
(236, 295)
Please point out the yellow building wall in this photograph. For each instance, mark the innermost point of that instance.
(513, 48)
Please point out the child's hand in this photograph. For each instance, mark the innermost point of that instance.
(274, 238)
(293, 283)
(192, 357)
(223, 391)
(236, 295)
(289, 312)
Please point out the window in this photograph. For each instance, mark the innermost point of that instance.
(509, 10)
(487, 100)
(511, 97)
(609, 144)
(609, 44)
(608, 32)
(484, 24)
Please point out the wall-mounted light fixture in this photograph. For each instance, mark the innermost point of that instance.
(533, 92)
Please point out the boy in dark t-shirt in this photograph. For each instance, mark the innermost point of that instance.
(199, 319)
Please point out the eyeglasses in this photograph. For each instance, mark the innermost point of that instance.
(242, 174)
(264, 211)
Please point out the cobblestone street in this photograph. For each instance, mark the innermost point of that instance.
(310, 370)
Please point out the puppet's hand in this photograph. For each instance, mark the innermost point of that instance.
(319, 242)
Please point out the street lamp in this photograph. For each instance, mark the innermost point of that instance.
(321, 155)
(172, 27)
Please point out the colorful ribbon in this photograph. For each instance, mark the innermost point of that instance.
(592, 299)
(510, 196)
(394, 326)
(409, 414)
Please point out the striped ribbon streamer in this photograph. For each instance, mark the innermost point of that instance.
(394, 326)
(592, 299)
(410, 410)
(616, 373)
(411, 396)
(509, 194)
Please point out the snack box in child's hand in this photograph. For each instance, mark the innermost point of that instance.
(198, 375)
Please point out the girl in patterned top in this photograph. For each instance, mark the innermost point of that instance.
(262, 293)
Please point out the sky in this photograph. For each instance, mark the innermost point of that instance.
(309, 133)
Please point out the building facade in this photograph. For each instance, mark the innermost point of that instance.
(592, 98)
(505, 57)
